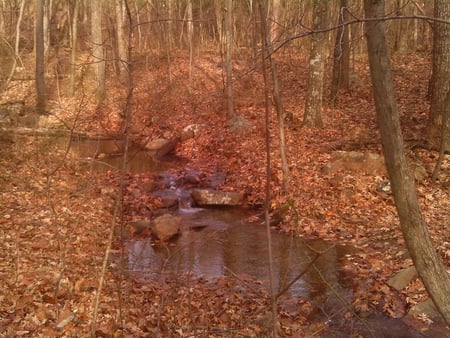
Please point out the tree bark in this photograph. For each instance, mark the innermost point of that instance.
(16, 46)
(97, 50)
(427, 262)
(41, 90)
(274, 25)
(341, 56)
(314, 98)
(73, 55)
(122, 43)
(228, 56)
(267, 53)
(190, 33)
(440, 83)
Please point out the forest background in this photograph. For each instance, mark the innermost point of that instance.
(284, 81)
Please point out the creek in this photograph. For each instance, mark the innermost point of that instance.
(223, 243)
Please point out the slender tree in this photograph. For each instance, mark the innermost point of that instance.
(440, 82)
(97, 50)
(41, 90)
(314, 97)
(122, 43)
(228, 8)
(426, 260)
(190, 33)
(341, 56)
(73, 55)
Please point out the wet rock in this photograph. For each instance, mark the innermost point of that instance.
(161, 147)
(167, 148)
(139, 227)
(169, 201)
(402, 278)
(154, 145)
(207, 197)
(165, 227)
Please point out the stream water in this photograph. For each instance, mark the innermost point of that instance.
(226, 244)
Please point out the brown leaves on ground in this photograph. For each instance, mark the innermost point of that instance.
(55, 212)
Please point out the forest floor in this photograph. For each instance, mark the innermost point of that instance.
(57, 215)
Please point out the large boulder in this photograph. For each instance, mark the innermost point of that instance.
(156, 144)
(161, 146)
(165, 227)
(208, 197)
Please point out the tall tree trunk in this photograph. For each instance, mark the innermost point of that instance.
(97, 50)
(138, 26)
(274, 319)
(122, 43)
(428, 264)
(274, 25)
(16, 58)
(218, 11)
(46, 24)
(440, 82)
(190, 33)
(228, 56)
(401, 28)
(314, 97)
(41, 90)
(73, 56)
(341, 56)
(267, 53)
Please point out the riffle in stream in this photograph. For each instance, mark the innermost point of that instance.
(227, 245)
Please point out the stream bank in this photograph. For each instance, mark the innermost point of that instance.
(221, 243)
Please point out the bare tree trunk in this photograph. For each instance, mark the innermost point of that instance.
(401, 28)
(274, 25)
(169, 39)
(228, 56)
(274, 321)
(41, 90)
(190, 33)
(16, 45)
(97, 50)
(267, 52)
(46, 24)
(341, 66)
(314, 98)
(444, 136)
(440, 82)
(138, 26)
(122, 48)
(428, 264)
(73, 56)
(218, 11)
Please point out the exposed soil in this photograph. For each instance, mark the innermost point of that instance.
(56, 214)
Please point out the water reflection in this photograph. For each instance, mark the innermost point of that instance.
(108, 154)
(229, 245)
